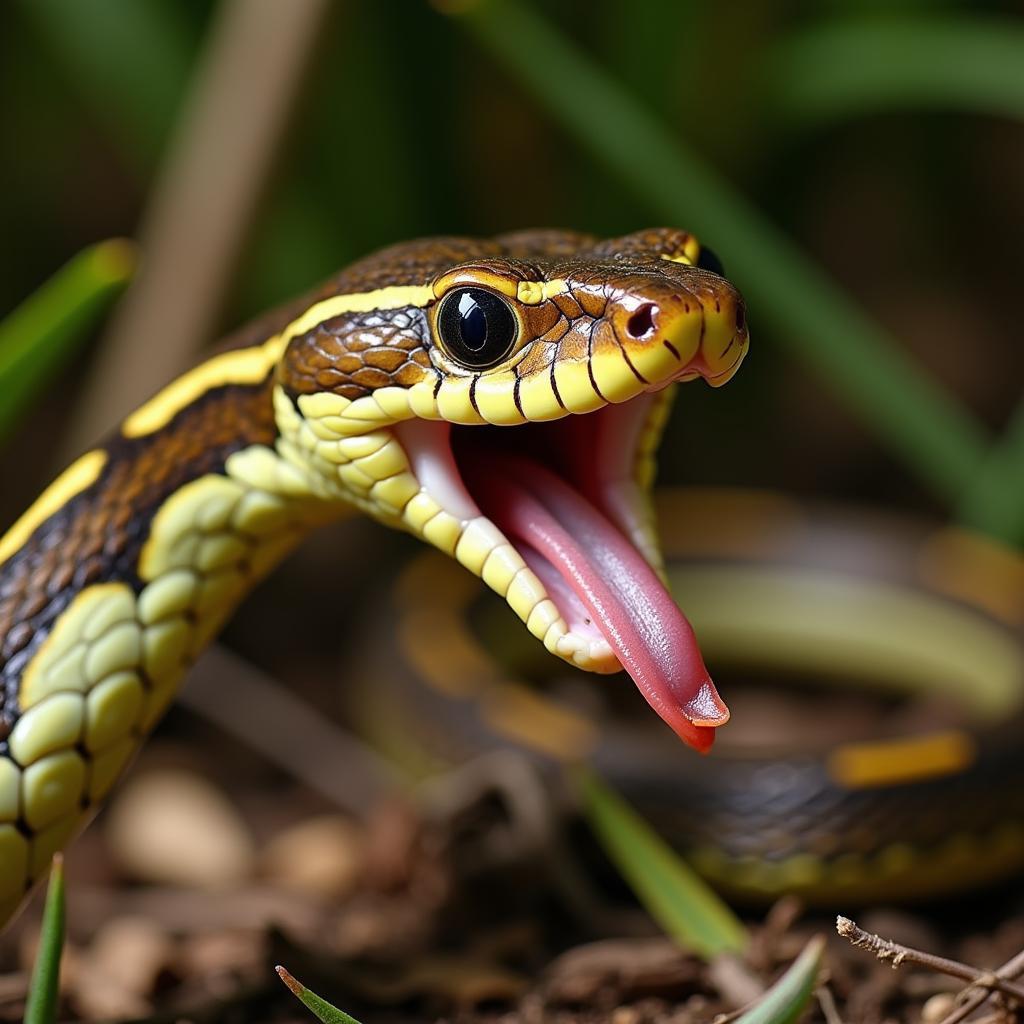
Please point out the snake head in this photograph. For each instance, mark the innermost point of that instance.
(503, 400)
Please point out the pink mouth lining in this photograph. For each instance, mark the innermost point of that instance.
(635, 613)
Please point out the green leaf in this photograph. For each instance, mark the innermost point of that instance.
(43, 331)
(994, 502)
(787, 999)
(850, 67)
(804, 308)
(319, 1007)
(672, 893)
(44, 989)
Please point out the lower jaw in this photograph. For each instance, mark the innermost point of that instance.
(598, 454)
(602, 603)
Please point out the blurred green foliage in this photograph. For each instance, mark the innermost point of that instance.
(685, 907)
(44, 988)
(851, 67)
(826, 151)
(786, 1001)
(43, 332)
(318, 1006)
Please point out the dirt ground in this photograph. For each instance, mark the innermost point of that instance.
(183, 898)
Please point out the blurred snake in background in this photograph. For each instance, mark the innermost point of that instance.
(391, 389)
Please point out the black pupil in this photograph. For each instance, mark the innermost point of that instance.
(707, 260)
(474, 322)
(477, 327)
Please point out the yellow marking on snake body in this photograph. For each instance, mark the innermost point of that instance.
(76, 478)
(894, 762)
(112, 709)
(533, 293)
(244, 366)
(59, 664)
(113, 660)
(576, 389)
(52, 788)
(454, 401)
(10, 781)
(976, 569)
(688, 255)
(537, 399)
(51, 725)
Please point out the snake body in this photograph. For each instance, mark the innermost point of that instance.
(920, 800)
(127, 566)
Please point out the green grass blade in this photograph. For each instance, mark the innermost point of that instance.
(40, 334)
(319, 1007)
(994, 503)
(44, 989)
(787, 999)
(688, 911)
(854, 66)
(804, 308)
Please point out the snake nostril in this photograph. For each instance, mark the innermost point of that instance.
(741, 317)
(641, 323)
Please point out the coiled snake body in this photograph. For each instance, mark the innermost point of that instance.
(378, 393)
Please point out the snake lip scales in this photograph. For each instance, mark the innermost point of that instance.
(502, 399)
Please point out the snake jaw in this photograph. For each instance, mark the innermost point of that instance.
(554, 515)
(614, 450)
(605, 468)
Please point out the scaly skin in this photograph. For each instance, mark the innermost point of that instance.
(129, 564)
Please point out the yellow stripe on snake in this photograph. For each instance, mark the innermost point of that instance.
(392, 389)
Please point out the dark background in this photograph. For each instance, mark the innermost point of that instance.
(408, 124)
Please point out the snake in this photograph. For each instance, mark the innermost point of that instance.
(874, 662)
(501, 399)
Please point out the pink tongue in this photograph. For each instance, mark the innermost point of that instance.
(636, 614)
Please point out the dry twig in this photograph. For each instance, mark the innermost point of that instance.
(885, 949)
(827, 1003)
(1011, 969)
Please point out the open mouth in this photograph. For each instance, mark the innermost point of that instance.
(565, 495)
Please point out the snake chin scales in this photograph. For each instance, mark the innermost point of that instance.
(502, 399)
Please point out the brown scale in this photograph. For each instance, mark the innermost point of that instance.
(356, 353)
(99, 533)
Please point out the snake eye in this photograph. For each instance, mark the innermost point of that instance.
(707, 260)
(477, 328)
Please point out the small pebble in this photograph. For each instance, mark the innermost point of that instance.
(121, 967)
(938, 1008)
(173, 827)
(320, 856)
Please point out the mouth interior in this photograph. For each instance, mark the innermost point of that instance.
(563, 493)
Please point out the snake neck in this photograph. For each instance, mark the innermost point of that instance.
(113, 583)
